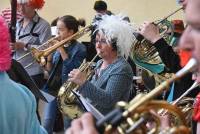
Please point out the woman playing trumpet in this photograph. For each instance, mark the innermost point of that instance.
(61, 63)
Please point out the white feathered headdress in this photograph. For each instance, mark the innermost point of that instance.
(115, 27)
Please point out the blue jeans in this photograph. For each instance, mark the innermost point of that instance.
(49, 115)
(67, 122)
(50, 111)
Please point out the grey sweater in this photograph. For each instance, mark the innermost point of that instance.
(112, 85)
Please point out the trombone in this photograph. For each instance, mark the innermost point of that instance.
(45, 45)
(40, 55)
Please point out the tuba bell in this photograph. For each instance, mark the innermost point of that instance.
(67, 102)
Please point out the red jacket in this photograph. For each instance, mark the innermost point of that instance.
(196, 115)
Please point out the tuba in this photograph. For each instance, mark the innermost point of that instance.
(133, 117)
(67, 101)
(145, 55)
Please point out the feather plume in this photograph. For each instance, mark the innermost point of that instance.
(115, 27)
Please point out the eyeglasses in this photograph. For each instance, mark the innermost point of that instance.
(102, 41)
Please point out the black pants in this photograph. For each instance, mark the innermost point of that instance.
(39, 81)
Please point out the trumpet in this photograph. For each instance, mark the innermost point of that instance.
(40, 55)
(128, 118)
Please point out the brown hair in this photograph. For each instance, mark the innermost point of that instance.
(72, 23)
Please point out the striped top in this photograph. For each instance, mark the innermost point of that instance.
(112, 85)
(6, 14)
(43, 31)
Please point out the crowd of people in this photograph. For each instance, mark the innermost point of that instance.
(112, 37)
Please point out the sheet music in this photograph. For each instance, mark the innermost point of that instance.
(89, 107)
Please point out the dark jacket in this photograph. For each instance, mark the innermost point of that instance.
(61, 69)
(172, 62)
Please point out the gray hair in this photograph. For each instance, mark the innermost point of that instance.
(114, 27)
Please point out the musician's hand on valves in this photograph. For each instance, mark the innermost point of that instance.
(77, 76)
(83, 125)
(150, 32)
(17, 45)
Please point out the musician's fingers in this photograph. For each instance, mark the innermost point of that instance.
(71, 74)
(88, 124)
(87, 120)
(69, 131)
(194, 76)
(77, 126)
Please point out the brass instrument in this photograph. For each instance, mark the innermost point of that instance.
(145, 55)
(47, 44)
(132, 117)
(40, 54)
(67, 101)
(194, 85)
(185, 104)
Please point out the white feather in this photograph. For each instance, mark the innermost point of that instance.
(114, 27)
